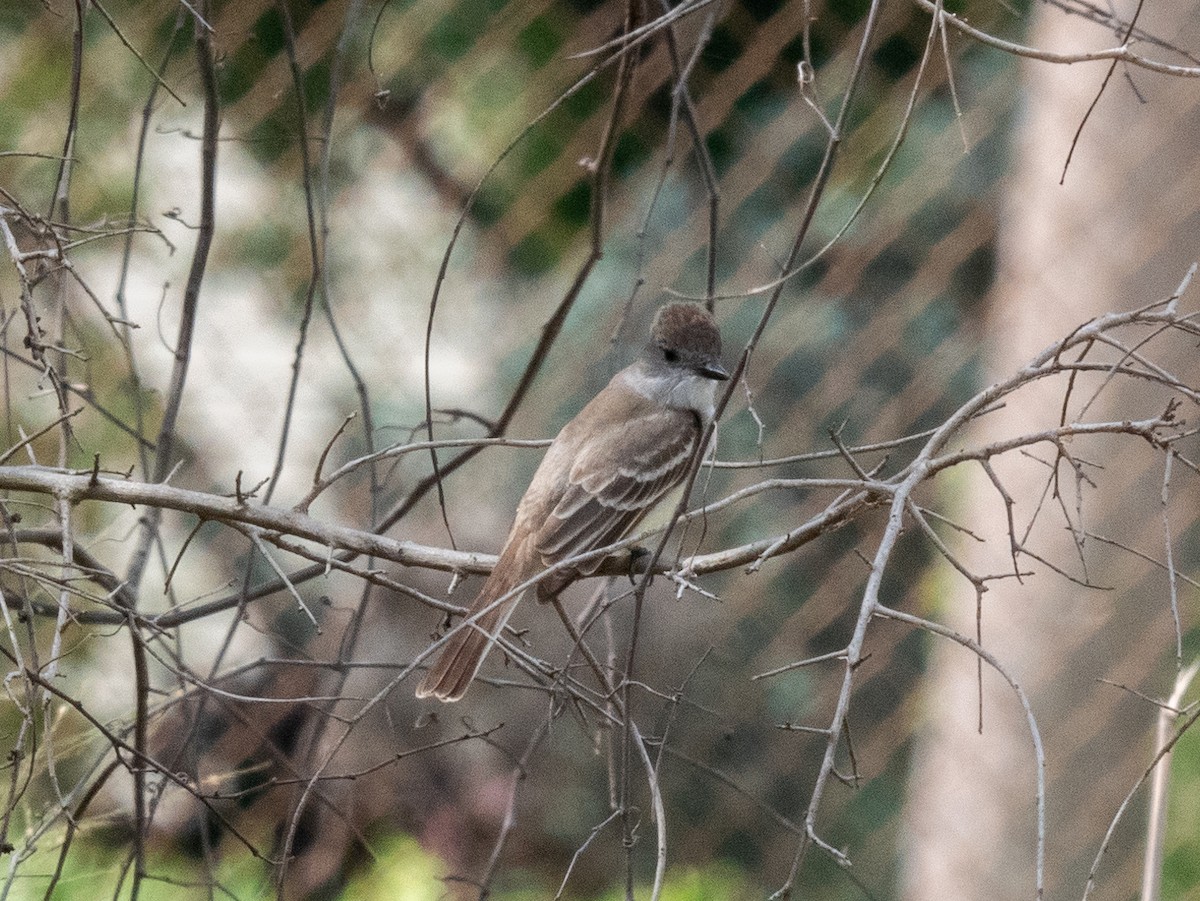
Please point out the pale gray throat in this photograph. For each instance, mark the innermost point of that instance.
(675, 387)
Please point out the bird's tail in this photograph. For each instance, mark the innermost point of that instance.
(460, 660)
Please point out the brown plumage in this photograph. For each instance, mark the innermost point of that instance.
(627, 448)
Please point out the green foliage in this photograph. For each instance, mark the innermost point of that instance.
(540, 40)
(452, 36)
(720, 882)
(402, 871)
(95, 869)
(1181, 866)
(716, 883)
(534, 255)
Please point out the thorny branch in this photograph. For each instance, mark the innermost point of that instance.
(603, 691)
(941, 451)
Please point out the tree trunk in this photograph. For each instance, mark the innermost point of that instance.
(1119, 233)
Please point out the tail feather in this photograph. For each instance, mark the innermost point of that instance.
(450, 677)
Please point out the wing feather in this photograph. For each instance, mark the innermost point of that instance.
(616, 481)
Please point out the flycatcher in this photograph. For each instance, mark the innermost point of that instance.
(607, 468)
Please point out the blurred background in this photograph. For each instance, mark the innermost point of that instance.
(490, 194)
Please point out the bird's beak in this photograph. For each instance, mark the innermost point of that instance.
(714, 371)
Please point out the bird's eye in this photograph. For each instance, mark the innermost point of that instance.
(670, 356)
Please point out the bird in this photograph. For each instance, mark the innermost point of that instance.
(606, 469)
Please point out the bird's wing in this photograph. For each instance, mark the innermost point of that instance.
(615, 481)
